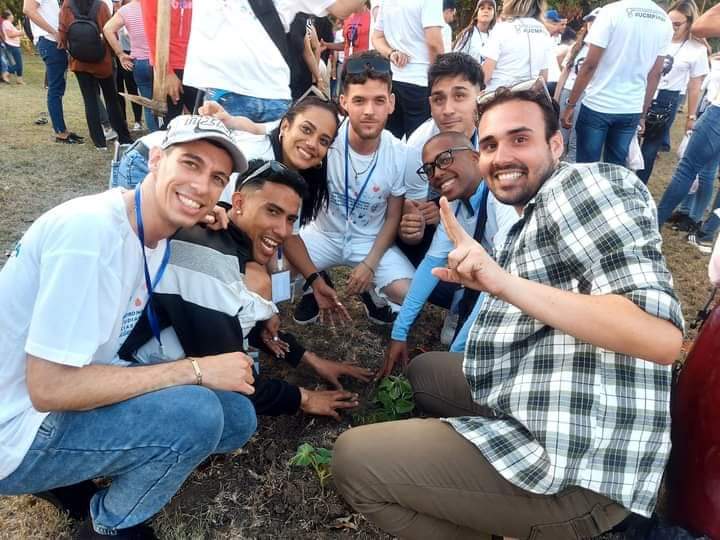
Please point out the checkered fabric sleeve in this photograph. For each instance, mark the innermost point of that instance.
(567, 413)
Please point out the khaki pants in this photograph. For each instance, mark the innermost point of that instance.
(419, 478)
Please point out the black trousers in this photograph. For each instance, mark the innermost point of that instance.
(412, 108)
(89, 89)
(126, 83)
(187, 100)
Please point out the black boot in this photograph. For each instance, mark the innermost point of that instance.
(73, 499)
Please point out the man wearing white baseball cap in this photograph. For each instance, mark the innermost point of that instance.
(72, 290)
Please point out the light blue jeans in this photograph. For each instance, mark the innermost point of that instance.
(703, 150)
(143, 75)
(254, 108)
(130, 170)
(147, 445)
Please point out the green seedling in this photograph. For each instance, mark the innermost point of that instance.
(317, 458)
(392, 400)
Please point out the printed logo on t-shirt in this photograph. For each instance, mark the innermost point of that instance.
(644, 13)
(668, 62)
(522, 27)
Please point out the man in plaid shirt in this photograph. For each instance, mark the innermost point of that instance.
(557, 421)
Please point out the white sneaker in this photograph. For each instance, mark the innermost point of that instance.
(448, 330)
(110, 133)
(137, 126)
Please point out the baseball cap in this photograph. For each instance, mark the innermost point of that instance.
(187, 128)
(494, 4)
(552, 15)
(591, 16)
(449, 4)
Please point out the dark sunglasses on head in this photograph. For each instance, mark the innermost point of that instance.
(442, 161)
(535, 85)
(265, 170)
(358, 66)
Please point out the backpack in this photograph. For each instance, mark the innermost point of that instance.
(84, 42)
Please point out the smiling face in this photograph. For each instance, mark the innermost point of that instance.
(452, 104)
(515, 156)
(187, 180)
(458, 179)
(266, 214)
(368, 106)
(306, 139)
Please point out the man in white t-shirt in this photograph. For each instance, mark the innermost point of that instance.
(44, 15)
(626, 50)
(72, 290)
(365, 191)
(409, 34)
(256, 83)
(449, 13)
(555, 25)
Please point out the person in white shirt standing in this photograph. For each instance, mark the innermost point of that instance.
(685, 68)
(409, 34)
(626, 52)
(555, 25)
(449, 13)
(256, 83)
(44, 16)
(366, 192)
(474, 36)
(519, 46)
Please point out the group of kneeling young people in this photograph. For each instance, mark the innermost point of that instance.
(128, 321)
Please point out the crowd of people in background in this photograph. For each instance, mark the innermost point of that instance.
(498, 170)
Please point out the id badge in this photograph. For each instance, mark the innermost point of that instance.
(281, 286)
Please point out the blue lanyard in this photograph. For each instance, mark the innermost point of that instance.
(474, 140)
(152, 319)
(348, 210)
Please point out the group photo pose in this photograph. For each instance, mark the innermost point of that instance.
(418, 269)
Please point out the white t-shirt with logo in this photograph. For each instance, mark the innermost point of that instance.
(229, 49)
(71, 291)
(633, 33)
(50, 11)
(689, 60)
(521, 48)
(404, 22)
(368, 215)
(474, 44)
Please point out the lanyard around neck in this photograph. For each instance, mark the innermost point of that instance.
(150, 284)
(348, 209)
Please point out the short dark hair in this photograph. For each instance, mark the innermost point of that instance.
(449, 4)
(284, 176)
(550, 109)
(361, 78)
(6, 13)
(455, 64)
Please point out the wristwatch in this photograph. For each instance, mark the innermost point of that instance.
(692, 117)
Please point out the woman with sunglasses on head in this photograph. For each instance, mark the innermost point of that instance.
(474, 36)
(519, 46)
(686, 65)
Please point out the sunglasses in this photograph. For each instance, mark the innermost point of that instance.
(265, 170)
(535, 85)
(359, 66)
(442, 161)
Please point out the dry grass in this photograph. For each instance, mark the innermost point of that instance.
(252, 494)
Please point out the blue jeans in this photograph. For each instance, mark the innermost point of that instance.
(569, 136)
(130, 170)
(712, 224)
(16, 55)
(458, 344)
(254, 108)
(147, 445)
(613, 132)
(702, 151)
(143, 75)
(651, 145)
(695, 204)
(56, 63)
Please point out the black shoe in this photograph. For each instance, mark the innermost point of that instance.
(382, 315)
(685, 224)
(138, 532)
(68, 140)
(76, 137)
(703, 243)
(307, 311)
(74, 499)
(676, 217)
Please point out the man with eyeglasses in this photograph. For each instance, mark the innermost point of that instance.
(366, 164)
(72, 290)
(450, 165)
(217, 296)
(555, 422)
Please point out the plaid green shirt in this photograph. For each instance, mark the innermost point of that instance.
(567, 413)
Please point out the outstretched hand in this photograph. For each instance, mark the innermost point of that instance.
(329, 303)
(468, 264)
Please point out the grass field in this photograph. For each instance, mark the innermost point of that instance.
(254, 493)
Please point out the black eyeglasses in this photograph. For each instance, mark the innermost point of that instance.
(271, 167)
(374, 64)
(442, 161)
(536, 85)
(679, 24)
